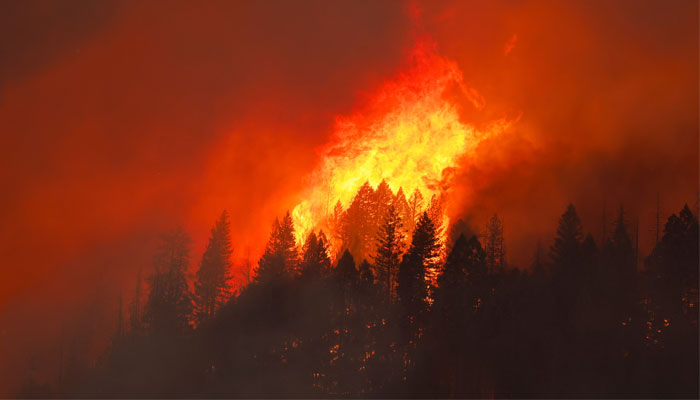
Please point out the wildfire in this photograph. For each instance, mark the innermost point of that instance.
(408, 135)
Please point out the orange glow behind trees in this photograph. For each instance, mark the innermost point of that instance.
(409, 135)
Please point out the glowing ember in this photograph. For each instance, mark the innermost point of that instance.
(408, 135)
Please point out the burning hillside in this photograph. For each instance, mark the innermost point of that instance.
(409, 135)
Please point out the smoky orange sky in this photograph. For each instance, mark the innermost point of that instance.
(121, 120)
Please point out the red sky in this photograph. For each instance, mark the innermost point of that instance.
(121, 120)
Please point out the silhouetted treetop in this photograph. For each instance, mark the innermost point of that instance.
(211, 289)
(315, 259)
(567, 243)
(280, 257)
(169, 301)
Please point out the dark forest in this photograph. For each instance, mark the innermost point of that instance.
(407, 316)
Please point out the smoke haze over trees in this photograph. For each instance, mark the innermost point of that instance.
(122, 121)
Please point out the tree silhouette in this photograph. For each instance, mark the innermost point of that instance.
(315, 260)
(383, 198)
(412, 287)
(567, 244)
(169, 302)
(585, 325)
(620, 268)
(280, 257)
(458, 228)
(358, 232)
(672, 307)
(287, 245)
(389, 250)
(211, 289)
(461, 287)
(567, 269)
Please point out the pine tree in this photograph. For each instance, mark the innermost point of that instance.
(495, 249)
(315, 260)
(347, 281)
(212, 286)
(383, 197)
(420, 258)
(453, 279)
(287, 244)
(567, 244)
(673, 263)
(460, 286)
(346, 271)
(358, 226)
(169, 302)
(567, 267)
(459, 228)
(619, 255)
(389, 250)
(475, 264)
(280, 256)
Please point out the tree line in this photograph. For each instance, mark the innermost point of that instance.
(398, 312)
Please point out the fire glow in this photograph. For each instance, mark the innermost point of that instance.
(409, 135)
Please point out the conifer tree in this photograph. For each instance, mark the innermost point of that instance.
(420, 258)
(567, 266)
(389, 250)
(346, 271)
(567, 244)
(287, 243)
(383, 197)
(358, 226)
(673, 264)
(211, 289)
(280, 256)
(169, 302)
(315, 260)
(475, 263)
(347, 280)
(460, 287)
(622, 251)
(452, 281)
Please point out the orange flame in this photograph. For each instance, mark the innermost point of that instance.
(408, 135)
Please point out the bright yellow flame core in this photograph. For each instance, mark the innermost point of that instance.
(409, 135)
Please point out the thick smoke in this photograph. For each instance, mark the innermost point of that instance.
(121, 121)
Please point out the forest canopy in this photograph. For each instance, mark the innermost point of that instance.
(393, 306)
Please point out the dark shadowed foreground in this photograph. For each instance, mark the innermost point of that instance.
(413, 319)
